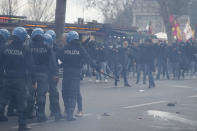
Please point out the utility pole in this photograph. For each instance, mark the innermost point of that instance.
(10, 8)
(60, 15)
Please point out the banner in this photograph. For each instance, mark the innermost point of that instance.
(188, 32)
(175, 29)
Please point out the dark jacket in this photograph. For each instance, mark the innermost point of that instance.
(72, 56)
(44, 58)
(137, 55)
(149, 55)
(2, 46)
(124, 56)
(17, 61)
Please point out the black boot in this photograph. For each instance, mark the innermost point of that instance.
(127, 85)
(42, 119)
(58, 117)
(23, 128)
(70, 115)
(71, 118)
(3, 119)
(11, 113)
(137, 82)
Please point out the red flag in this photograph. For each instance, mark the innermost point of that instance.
(175, 28)
(171, 18)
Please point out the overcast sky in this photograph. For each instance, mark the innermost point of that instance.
(77, 8)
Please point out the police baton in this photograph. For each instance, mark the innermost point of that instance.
(109, 76)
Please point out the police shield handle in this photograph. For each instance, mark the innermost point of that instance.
(35, 86)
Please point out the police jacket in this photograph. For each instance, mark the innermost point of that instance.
(17, 60)
(72, 56)
(44, 58)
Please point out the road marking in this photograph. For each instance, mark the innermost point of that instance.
(192, 96)
(182, 86)
(170, 116)
(168, 127)
(145, 104)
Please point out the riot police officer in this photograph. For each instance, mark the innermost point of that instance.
(4, 35)
(71, 56)
(17, 64)
(44, 63)
(53, 91)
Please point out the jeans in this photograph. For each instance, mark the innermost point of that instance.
(175, 69)
(162, 68)
(150, 76)
(141, 68)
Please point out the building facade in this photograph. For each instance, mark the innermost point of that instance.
(146, 11)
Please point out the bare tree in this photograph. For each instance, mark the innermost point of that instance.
(112, 10)
(60, 17)
(41, 10)
(193, 15)
(9, 7)
(172, 7)
(124, 16)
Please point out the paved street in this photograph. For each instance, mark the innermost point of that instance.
(129, 109)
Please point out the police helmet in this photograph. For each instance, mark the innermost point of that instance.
(20, 33)
(72, 35)
(37, 32)
(48, 40)
(5, 34)
(52, 33)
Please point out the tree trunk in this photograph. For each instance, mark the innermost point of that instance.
(60, 17)
(168, 28)
(165, 14)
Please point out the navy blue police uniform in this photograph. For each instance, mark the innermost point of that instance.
(4, 35)
(17, 65)
(44, 63)
(71, 56)
(53, 91)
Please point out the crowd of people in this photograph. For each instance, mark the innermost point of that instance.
(30, 64)
(153, 59)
